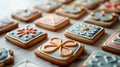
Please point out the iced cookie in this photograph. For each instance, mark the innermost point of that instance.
(26, 37)
(90, 4)
(60, 52)
(48, 5)
(103, 18)
(83, 32)
(113, 43)
(26, 63)
(6, 57)
(102, 59)
(64, 1)
(26, 15)
(7, 24)
(71, 10)
(113, 5)
(52, 22)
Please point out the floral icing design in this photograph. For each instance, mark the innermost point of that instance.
(84, 30)
(26, 12)
(57, 44)
(4, 54)
(102, 16)
(46, 4)
(73, 8)
(5, 21)
(117, 40)
(26, 34)
(103, 59)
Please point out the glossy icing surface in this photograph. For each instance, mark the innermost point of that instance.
(102, 59)
(101, 16)
(84, 30)
(25, 63)
(52, 20)
(86, 2)
(5, 22)
(55, 48)
(25, 34)
(49, 4)
(27, 12)
(114, 41)
(4, 54)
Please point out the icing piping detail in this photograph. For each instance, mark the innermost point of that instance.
(56, 44)
(117, 40)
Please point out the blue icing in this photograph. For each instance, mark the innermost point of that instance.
(57, 55)
(4, 54)
(90, 34)
(103, 59)
(52, 4)
(23, 39)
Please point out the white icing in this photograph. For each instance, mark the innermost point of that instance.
(8, 57)
(25, 63)
(112, 57)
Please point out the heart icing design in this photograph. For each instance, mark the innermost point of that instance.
(62, 47)
(102, 15)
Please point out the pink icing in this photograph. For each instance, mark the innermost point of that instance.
(110, 5)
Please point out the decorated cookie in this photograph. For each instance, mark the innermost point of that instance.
(90, 4)
(113, 5)
(26, 37)
(60, 52)
(6, 57)
(26, 15)
(71, 10)
(26, 63)
(103, 18)
(84, 32)
(102, 59)
(7, 24)
(52, 22)
(48, 5)
(64, 1)
(113, 43)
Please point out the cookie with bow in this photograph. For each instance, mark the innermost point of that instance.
(60, 52)
(113, 43)
(102, 17)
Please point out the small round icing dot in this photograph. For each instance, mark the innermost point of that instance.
(84, 28)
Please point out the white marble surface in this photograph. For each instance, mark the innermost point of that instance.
(9, 6)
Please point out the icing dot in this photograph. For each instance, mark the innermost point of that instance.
(85, 28)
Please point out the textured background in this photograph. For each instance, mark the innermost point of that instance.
(9, 6)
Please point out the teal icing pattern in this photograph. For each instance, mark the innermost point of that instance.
(46, 4)
(103, 59)
(4, 54)
(25, 34)
(90, 34)
(56, 54)
(26, 12)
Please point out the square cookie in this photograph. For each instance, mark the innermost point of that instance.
(83, 32)
(26, 63)
(90, 4)
(64, 1)
(26, 15)
(113, 43)
(102, 17)
(7, 24)
(71, 10)
(113, 5)
(48, 5)
(26, 37)
(102, 59)
(60, 52)
(52, 22)
(6, 57)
